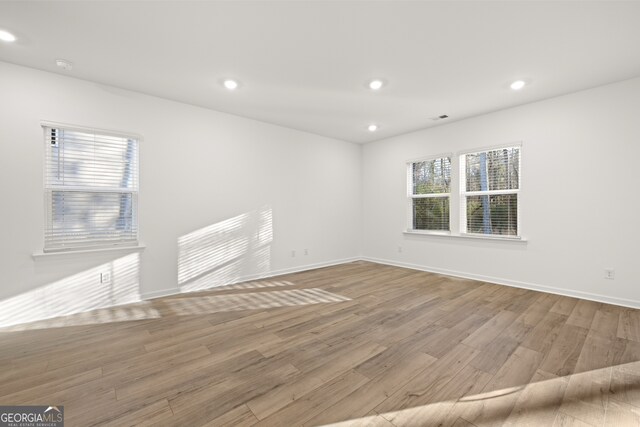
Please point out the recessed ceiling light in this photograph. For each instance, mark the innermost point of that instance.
(372, 127)
(376, 84)
(64, 64)
(230, 84)
(517, 85)
(6, 36)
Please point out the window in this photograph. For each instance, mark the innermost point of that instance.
(91, 189)
(489, 184)
(429, 194)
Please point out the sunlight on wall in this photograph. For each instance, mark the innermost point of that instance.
(77, 293)
(226, 251)
(251, 301)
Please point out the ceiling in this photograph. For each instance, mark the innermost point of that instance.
(306, 64)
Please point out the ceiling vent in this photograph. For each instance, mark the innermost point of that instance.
(442, 117)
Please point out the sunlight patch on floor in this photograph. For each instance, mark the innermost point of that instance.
(139, 311)
(601, 397)
(259, 284)
(189, 306)
(251, 301)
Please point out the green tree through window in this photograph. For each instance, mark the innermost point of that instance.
(430, 189)
(490, 193)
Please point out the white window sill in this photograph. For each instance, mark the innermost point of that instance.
(466, 236)
(42, 254)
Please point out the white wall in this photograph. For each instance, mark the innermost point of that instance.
(579, 201)
(225, 198)
(255, 191)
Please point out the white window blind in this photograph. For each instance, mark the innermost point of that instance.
(429, 194)
(490, 183)
(91, 189)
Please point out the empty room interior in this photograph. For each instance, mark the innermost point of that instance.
(320, 213)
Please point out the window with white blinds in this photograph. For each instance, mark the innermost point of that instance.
(489, 184)
(91, 189)
(429, 194)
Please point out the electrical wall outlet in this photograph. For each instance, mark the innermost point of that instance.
(293, 254)
(105, 277)
(306, 251)
(400, 249)
(609, 274)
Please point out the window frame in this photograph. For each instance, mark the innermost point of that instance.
(457, 197)
(463, 193)
(93, 245)
(411, 197)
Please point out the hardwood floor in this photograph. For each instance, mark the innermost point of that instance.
(358, 344)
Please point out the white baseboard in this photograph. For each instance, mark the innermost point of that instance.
(260, 276)
(159, 294)
(490, 279)
(513, 283)
(303, 268)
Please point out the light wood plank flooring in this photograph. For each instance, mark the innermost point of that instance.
(358, 344)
